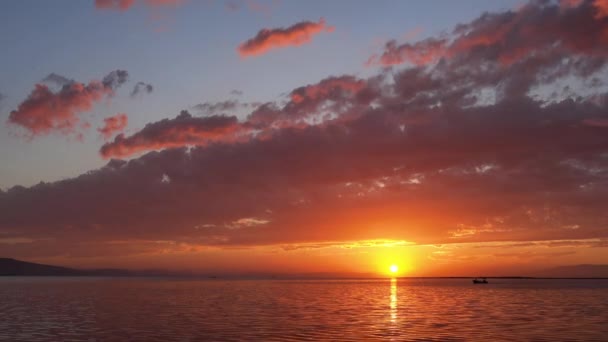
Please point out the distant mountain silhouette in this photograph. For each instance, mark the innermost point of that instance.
(12, 267)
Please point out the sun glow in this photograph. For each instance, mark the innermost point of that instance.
(394, 268)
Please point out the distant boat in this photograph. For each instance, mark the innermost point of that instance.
(480, 281)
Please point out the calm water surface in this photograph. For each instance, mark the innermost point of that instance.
(136, 309)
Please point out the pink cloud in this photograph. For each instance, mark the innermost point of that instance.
(45, 111)
(113, 124)
(169, 133)
(602, 10)
(262, 123)
(123, 5)
(295, 35)
(420, 53)
(325, 87)
(571, 27)
(120, 5)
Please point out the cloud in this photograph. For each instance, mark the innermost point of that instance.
(58, 80)
(123, 5)
(115, 79)
(140, 88)
(469, 147)
(154, 3)
(537, 28)
(601, 6)
(181, 131)
(246, 222)
(420, 53)
(596, 122)
(45, 111)
(211, 108)
(602, 9)
(325, 88)
(295, 35)
(113, 124)
(232, 5)
(120, 5)
(307, 105)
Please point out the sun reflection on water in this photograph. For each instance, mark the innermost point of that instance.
(393, 303)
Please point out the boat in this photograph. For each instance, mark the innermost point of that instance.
(480, 281)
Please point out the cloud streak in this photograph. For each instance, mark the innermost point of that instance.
(124, 5)
(270, 39)
(118, 5)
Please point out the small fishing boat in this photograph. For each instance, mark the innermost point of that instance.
(480, 281)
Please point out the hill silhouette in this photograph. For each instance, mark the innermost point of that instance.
(13, 267)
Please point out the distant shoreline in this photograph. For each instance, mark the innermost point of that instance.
(16, 268)
(237, 277)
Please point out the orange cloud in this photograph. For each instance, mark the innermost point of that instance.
(296, 35)
(113, 124)
(602, 9)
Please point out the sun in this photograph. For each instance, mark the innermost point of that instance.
(394, 268)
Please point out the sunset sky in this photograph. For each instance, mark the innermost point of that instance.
(230, 137)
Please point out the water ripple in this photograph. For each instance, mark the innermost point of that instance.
(123, 309)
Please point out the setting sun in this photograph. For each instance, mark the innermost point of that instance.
(394, 268)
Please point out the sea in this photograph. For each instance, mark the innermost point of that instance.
(405, 309)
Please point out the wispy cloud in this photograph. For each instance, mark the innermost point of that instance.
(123, 5)
(295, 35)
(140, 88)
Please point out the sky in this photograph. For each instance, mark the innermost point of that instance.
(277, 136)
